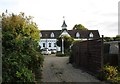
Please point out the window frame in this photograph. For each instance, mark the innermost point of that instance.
(43, 44)
(50, 45)
(54, 44)
(77, 35)
(91, 35)
(52, 35)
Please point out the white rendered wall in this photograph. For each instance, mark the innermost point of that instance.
(47, 41)
(52, 41)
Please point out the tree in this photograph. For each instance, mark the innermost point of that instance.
(79, 27)
(117, 38)
(20, 56)
(107, 39)
(67, 42)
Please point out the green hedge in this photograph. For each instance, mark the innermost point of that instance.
(59, 54)
(21, 58)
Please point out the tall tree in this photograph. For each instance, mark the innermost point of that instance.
(67, 42)
(79, 27)
(117, 38)
(107, 39)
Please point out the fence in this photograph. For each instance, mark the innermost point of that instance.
(112, 53)
(92, 54)
(87, 54)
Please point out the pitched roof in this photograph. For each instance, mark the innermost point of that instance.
(72, 33)
(84, 33)
(47, 33)
(64, 24)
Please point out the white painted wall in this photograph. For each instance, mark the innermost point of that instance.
(52, 41)
(47, 41)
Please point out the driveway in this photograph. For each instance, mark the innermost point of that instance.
(57, 69)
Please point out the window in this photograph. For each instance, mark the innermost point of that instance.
(43, 44)
(52, 35)
(49, 44)
(77, 35)
(54, 44)
(91, 35)
(40, 35)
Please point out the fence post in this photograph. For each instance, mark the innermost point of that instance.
(102, 50)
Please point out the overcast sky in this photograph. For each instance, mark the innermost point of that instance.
(99, 15)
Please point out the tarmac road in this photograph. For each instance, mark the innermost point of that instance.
(57, 69)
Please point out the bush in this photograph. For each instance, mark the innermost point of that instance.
(110, 73)
(67, 42)
(20, 56)
(59, 54)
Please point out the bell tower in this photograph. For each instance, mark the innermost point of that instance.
(64, 26)
(64, 31)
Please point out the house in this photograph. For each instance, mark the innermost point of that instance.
(48, 38)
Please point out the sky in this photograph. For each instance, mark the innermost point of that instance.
(101, 15)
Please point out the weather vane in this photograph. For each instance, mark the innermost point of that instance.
(63, 17)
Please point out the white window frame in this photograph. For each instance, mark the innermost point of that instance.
(52, 35)
(50, 45)
(77, 35)
(40, 34)
(91, 35)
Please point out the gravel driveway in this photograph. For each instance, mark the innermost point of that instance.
(57, 69)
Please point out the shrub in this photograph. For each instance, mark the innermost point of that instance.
(59, 54)
(20, 56)
(110, 73)
(67, 42)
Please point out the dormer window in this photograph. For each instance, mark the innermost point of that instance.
(40, 35)
(52, 35)
(91, 35)
(77, 35)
